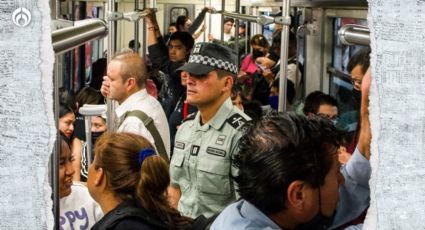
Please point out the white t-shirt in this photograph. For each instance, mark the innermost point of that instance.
(78, 210)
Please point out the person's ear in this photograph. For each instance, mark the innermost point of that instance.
(296, 195)
(131, 82)
(99, 177)
(228, 84)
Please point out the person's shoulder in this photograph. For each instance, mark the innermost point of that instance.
(78, 189)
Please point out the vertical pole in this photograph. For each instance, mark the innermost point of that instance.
(223, 8)
(151, 5)
(205, 23)
(284, 58)
(82, 51)
(54, 159)
(111, 51)
(54, 162)
(238, 2)
(87, 123)
(136, 28)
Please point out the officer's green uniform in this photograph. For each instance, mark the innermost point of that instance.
(202, 164)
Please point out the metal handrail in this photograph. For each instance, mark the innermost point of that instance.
(74, 36)
(354, 35)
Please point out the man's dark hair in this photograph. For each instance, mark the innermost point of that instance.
(228, 20)
(362, 58)
(173, 24)
(321, 99)
(132, 45)
(279, 149)
(310, 100)
(184, 37)
(180, 21)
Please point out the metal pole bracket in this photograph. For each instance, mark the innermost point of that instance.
(283, 20)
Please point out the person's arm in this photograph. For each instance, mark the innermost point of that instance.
(365, 136)
(77, 150)
(355, 192)
(153, 28)
(200, 19)
(158, 52)
(198, 33)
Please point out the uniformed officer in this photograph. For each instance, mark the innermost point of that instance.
(202, 166)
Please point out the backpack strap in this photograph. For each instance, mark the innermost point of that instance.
(149, 124)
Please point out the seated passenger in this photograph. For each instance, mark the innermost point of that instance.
(77, 209)
(129, 181)
(274, 95)
(326, 106)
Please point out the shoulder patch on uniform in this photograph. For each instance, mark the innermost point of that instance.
(217, 152)
(236, 120)
(179, 145)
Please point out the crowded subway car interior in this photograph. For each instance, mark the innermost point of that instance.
(149, 67)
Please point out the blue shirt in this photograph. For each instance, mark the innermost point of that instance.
(354, 199)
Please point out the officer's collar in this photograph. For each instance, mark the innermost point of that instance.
(219, 117)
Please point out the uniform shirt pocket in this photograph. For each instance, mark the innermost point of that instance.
(213, 177)
(177, 172)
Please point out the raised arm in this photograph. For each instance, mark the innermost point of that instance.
(153, 29)
(200, 19)
(365, 136)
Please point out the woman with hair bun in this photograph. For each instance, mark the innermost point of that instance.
(129, 181)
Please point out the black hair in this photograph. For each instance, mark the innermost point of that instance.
(317, 101)
(309, 101)
(64, 110)
(253, 109)
(180, 21)
(290, 148)
(132, 46)
(173, 24)
(98, 70)
(228, 20)
(362, 58)
(185, 38)
(67, 97)
(290, 89)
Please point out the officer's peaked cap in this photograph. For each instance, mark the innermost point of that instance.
(206, 57)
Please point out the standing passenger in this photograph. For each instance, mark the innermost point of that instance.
(125, 83)
(202, 167)
(168, 60)
(130, 182)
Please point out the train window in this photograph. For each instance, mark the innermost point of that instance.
(340, 86)
(175, 12)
